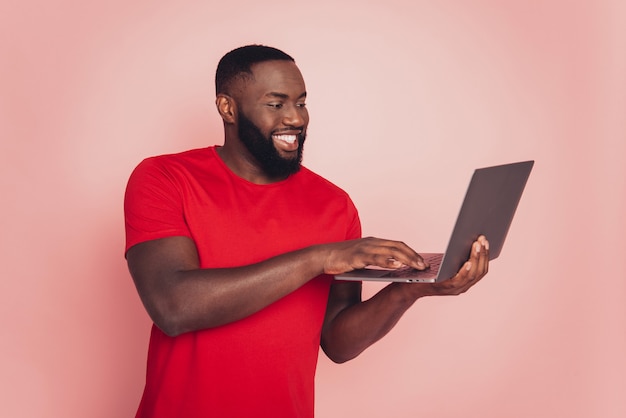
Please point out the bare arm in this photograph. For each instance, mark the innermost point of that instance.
(351, 326)
(181, 297)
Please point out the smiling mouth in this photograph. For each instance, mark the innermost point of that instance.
(289, 139)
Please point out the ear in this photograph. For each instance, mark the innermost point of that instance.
(227, 107)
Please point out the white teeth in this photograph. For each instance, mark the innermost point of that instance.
(286, 138)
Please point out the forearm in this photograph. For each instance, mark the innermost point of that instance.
(192, 299)
(362, 324)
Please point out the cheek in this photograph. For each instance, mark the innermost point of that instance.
(305, 118)
(268, 123)
(264, 125)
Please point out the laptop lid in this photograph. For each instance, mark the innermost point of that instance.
(490, 203)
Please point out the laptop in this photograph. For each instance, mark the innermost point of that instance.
(488, 208)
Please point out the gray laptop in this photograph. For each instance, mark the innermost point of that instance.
(488, 208)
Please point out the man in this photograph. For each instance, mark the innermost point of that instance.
(233, 249)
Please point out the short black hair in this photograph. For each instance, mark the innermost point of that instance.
(239, 62)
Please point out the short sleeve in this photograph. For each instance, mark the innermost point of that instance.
(153, 206)
(354, 227)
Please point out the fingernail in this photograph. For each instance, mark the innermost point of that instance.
(477, 246)
(468, 266)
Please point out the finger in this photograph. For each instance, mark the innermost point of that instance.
(483, 261)
(402, 253)
(396, 260)
(479, 261)
(480, 257)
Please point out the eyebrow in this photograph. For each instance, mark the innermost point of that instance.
(283, 95)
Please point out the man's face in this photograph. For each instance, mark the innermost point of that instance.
(272, 117)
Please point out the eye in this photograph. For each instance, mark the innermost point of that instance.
(301, 105)
(275, 105)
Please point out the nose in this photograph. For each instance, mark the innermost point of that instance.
(296, 116)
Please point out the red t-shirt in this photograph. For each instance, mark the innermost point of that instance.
(262, 365)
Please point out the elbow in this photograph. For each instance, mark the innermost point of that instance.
(170, 328)
(175, 319)
(339, 359)
(337, 355)
(170, 320)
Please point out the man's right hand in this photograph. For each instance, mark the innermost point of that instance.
(355, 254)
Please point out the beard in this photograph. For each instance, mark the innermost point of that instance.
(264, 152)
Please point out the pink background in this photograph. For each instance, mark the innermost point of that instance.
(406, 98)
